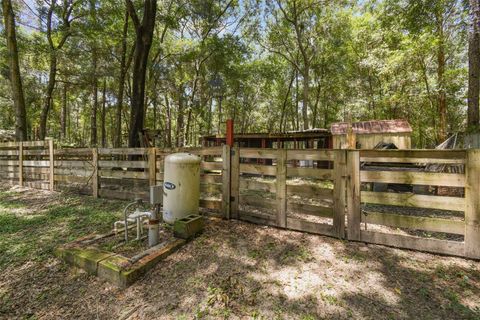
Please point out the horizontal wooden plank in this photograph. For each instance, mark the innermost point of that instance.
(123, 174)
(326, 174)
(423, 153)
(208, 151)
(257, 185)
(312, 210)
(420, 178)
(412, 160)
(455, 248)
(209, 178)
(124, 151)
(318, 155)
(261, 219)
(122, 164)
(123, 195)
(211, 188)
(24, 143)
(74, 152)
(8, 152)
(414, 200)
(8, 162)
(41, 152)
(310, 227)
(256, 201)
(310, 191)
(258, 169)
(36, 163)
(86, 164)
(71, 179)
(258, 153)
(74, 172)
(211, 165)
(211, 204)
(414, 222)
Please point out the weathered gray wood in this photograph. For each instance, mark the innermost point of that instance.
(414, 222)
(455, 248)
(310, 191)
(310, 209)
(235, 182)
(51, 164)
(258, 153)
(412, 160)
(25, 144)
(122, 164)
(325, 174)
(414, 200)
(318, 155)
(123, 174)
(258, 201)
(123, 151)
(408, 177)
(258, 185)
(281, 190)
(211, 204)
(152, 168)
(311, 227)
(207, 165)
(472, 204)
(353, 194)
(20, 163)
(339, 200)
(258, 169)
(226, 182)
(425, 154)
(95, 173)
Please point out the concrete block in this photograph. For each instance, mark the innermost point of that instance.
(188, 227)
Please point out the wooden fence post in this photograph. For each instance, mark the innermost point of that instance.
(95, 172)
(281, 189)
(20, 163)
(235, 182)
(52, 164)
(472, 204)
(339, 191)
(353, 195)
(152, 166)
(226, 181)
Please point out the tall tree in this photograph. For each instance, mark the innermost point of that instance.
(121, 84)
(14, 74)
(143, 42)
(474, 66)
(63, 26)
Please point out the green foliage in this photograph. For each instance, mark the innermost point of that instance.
(213, 60)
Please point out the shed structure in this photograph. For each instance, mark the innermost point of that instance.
(368, 134)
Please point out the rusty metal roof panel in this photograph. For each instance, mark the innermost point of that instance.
(373, 126)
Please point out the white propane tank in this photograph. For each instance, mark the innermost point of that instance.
(181, 187)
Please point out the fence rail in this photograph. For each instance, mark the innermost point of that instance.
(416, 199)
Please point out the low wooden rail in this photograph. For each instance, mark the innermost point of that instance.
(403, 198)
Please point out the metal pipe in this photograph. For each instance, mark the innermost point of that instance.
(153, 226)
(126, 218)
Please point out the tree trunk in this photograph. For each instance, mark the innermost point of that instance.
(143, 42)
(63, 117)
(474, 67)
(180, 119)
(14, 68)
(442, 95)
(169, 121)
(104, 98)
(93, 115)
(306, 93)
(48, 95)
(121, 84)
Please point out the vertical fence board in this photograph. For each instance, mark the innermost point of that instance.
(235, 182)
(226, 181)
(52, 164)
(339, 193)
(281, 189)
(20, 163)
(95, 172)
(152, 168)
(472, 204)
(353, 194)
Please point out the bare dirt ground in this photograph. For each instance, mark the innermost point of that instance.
(234, 270)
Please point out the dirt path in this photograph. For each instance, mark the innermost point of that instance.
(233, 270)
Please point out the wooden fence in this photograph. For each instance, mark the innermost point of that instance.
(425, 200)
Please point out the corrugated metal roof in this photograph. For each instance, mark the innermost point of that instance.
(373, 126)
